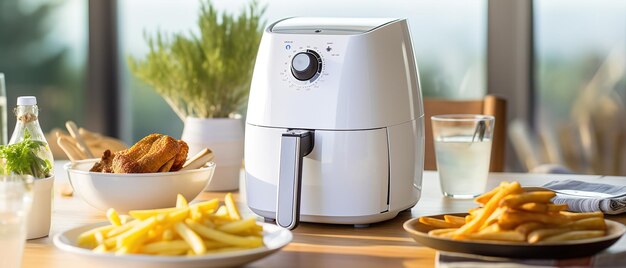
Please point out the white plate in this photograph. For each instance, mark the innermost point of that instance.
(274, 238)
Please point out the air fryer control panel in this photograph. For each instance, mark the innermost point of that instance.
(306, 66)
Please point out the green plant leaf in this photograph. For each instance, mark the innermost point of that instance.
(204, 75)
(22, 158)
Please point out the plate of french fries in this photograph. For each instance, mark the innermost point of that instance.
(515, 223)
(202, 234)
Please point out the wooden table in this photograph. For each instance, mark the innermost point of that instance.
(314, 245)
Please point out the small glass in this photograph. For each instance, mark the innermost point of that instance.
(15, 202)
(463, 151)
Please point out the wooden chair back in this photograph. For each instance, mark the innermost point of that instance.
(490, 105)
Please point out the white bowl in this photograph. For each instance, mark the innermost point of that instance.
(125, 192)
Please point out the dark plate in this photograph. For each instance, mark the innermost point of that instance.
(557, 250)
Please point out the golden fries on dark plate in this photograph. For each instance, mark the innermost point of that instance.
(507, 213)
(511, 222)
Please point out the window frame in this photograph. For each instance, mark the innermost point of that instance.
(102, 92)
(510, 63)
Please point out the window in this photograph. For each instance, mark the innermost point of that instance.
(43, 52)
(449, 39)
(580, 68)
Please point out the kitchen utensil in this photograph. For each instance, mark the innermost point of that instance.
(198, 160)
(96, 142)
(70, 149)
(125, 192)
(73, 130)
(73, 153)
(334, 131)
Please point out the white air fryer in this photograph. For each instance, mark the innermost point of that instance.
(334, 132)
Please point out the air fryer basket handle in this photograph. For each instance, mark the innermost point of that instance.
(294, 146)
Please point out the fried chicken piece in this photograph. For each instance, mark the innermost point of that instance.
(181, 157)
(153, 153)
(141, 159)
(137, 151)
(168, 166)
(105, 163)
(142, 147)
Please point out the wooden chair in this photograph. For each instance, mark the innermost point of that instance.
(490, 105)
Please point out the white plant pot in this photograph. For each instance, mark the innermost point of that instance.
(40, 214)
(224, 136)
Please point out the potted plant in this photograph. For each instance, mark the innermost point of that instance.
(205, 78)
(32, 158)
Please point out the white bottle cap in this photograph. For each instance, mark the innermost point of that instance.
(26, 100)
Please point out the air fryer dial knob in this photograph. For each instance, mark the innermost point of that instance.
(305, 65)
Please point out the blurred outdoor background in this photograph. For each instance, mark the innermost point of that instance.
(577, 65)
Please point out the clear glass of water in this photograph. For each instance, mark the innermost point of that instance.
(463, 151)
(15, 202)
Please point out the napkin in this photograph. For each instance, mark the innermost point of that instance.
(587, 197)
(459, 260)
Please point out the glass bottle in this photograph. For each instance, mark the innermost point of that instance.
(4, 136)
(27, 125)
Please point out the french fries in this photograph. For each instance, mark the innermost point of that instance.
(454, 219)
(541, 207)
(507, 213)
(585, 215)
(526, 228)
(439, 223)
(498, 235)
(113, 217)
(587, 224)
(482, 199)
(181, 202)
(490, 207)
(187, 229)
(514, 201)
(575, 235)
(233, 212)
(444, 232)
(512, 218)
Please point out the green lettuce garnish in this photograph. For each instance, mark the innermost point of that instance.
(21, 158)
